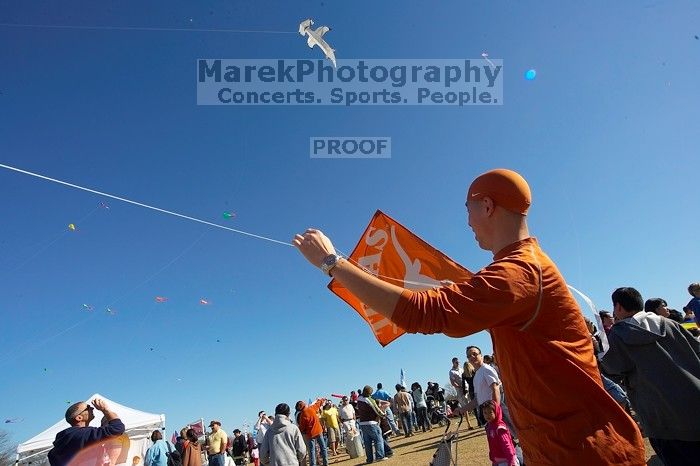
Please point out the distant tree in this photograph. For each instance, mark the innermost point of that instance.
(7, 449)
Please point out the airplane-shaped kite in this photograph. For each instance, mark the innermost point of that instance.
(316, 38)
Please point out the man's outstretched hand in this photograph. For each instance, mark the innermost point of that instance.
(314, 245)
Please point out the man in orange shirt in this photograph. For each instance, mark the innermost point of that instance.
(312, 430)
(556, 397)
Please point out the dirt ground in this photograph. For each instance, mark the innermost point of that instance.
(472, 449)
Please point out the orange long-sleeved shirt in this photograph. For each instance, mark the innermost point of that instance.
(554, 392)
(309, 423)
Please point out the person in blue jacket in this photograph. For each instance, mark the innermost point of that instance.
(71, 441)
(157, 454)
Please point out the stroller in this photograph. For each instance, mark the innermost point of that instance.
(435, 399)
(436, 412)
(446, 454)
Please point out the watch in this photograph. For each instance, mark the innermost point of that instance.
(329, 262)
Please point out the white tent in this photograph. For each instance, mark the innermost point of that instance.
(139, 426)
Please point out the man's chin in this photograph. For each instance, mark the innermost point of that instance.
(481, 244)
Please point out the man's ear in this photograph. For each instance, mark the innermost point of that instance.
(489, 205)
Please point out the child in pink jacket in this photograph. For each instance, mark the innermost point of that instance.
(501, 448)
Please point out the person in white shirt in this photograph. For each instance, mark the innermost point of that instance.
(487, 386)
(456, 382)
(264, 423)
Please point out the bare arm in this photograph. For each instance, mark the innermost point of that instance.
(377, 294)
(496, 393)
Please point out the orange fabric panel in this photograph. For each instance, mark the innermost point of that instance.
(390, 251)
(552, 384)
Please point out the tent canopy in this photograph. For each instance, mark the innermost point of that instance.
(139, 424)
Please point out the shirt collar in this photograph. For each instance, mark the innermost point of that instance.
(530, 240)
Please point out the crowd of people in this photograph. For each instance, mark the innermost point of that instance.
(556, 395)
(650, 367)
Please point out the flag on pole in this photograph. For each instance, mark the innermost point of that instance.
(173, 439)
(198, 427)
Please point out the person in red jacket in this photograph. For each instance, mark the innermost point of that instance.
(561, 411)
(312, 430)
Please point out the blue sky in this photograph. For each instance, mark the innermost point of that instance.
(606, 135)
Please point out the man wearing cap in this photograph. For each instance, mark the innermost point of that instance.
(239, 447)
(217, 444)
(563, 416)
(347, 416)
(69, 442)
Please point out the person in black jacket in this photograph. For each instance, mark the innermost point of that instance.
(239, 447)
(71, 441)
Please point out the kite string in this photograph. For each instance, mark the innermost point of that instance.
(158, 272)
(137, 28)
(16, 352)
(194, 219)
(386, 278)
(46, 246)
(129, 201)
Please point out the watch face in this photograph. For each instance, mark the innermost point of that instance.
(330, 260)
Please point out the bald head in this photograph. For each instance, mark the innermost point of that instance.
(81, 409)
(506, 189)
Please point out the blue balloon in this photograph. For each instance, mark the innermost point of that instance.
(530, 75)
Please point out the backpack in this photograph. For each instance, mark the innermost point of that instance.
(174, 457)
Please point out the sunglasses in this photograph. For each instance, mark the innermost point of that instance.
(87, 408)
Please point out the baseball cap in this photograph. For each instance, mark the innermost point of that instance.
(507, 189)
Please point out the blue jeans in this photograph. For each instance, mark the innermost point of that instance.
(413, 419)
(372, 435)
(614, 390)
(312, 450)
(406, 423)
(392, 422)
(217, 460)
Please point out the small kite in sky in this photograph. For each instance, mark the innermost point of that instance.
(13, 420)
(88, 307)
(111, 312)
(71, 227)
(161, 299)
(228, 215)
(103, 205)
(530, 75)
(204, 302)
(316, 38)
